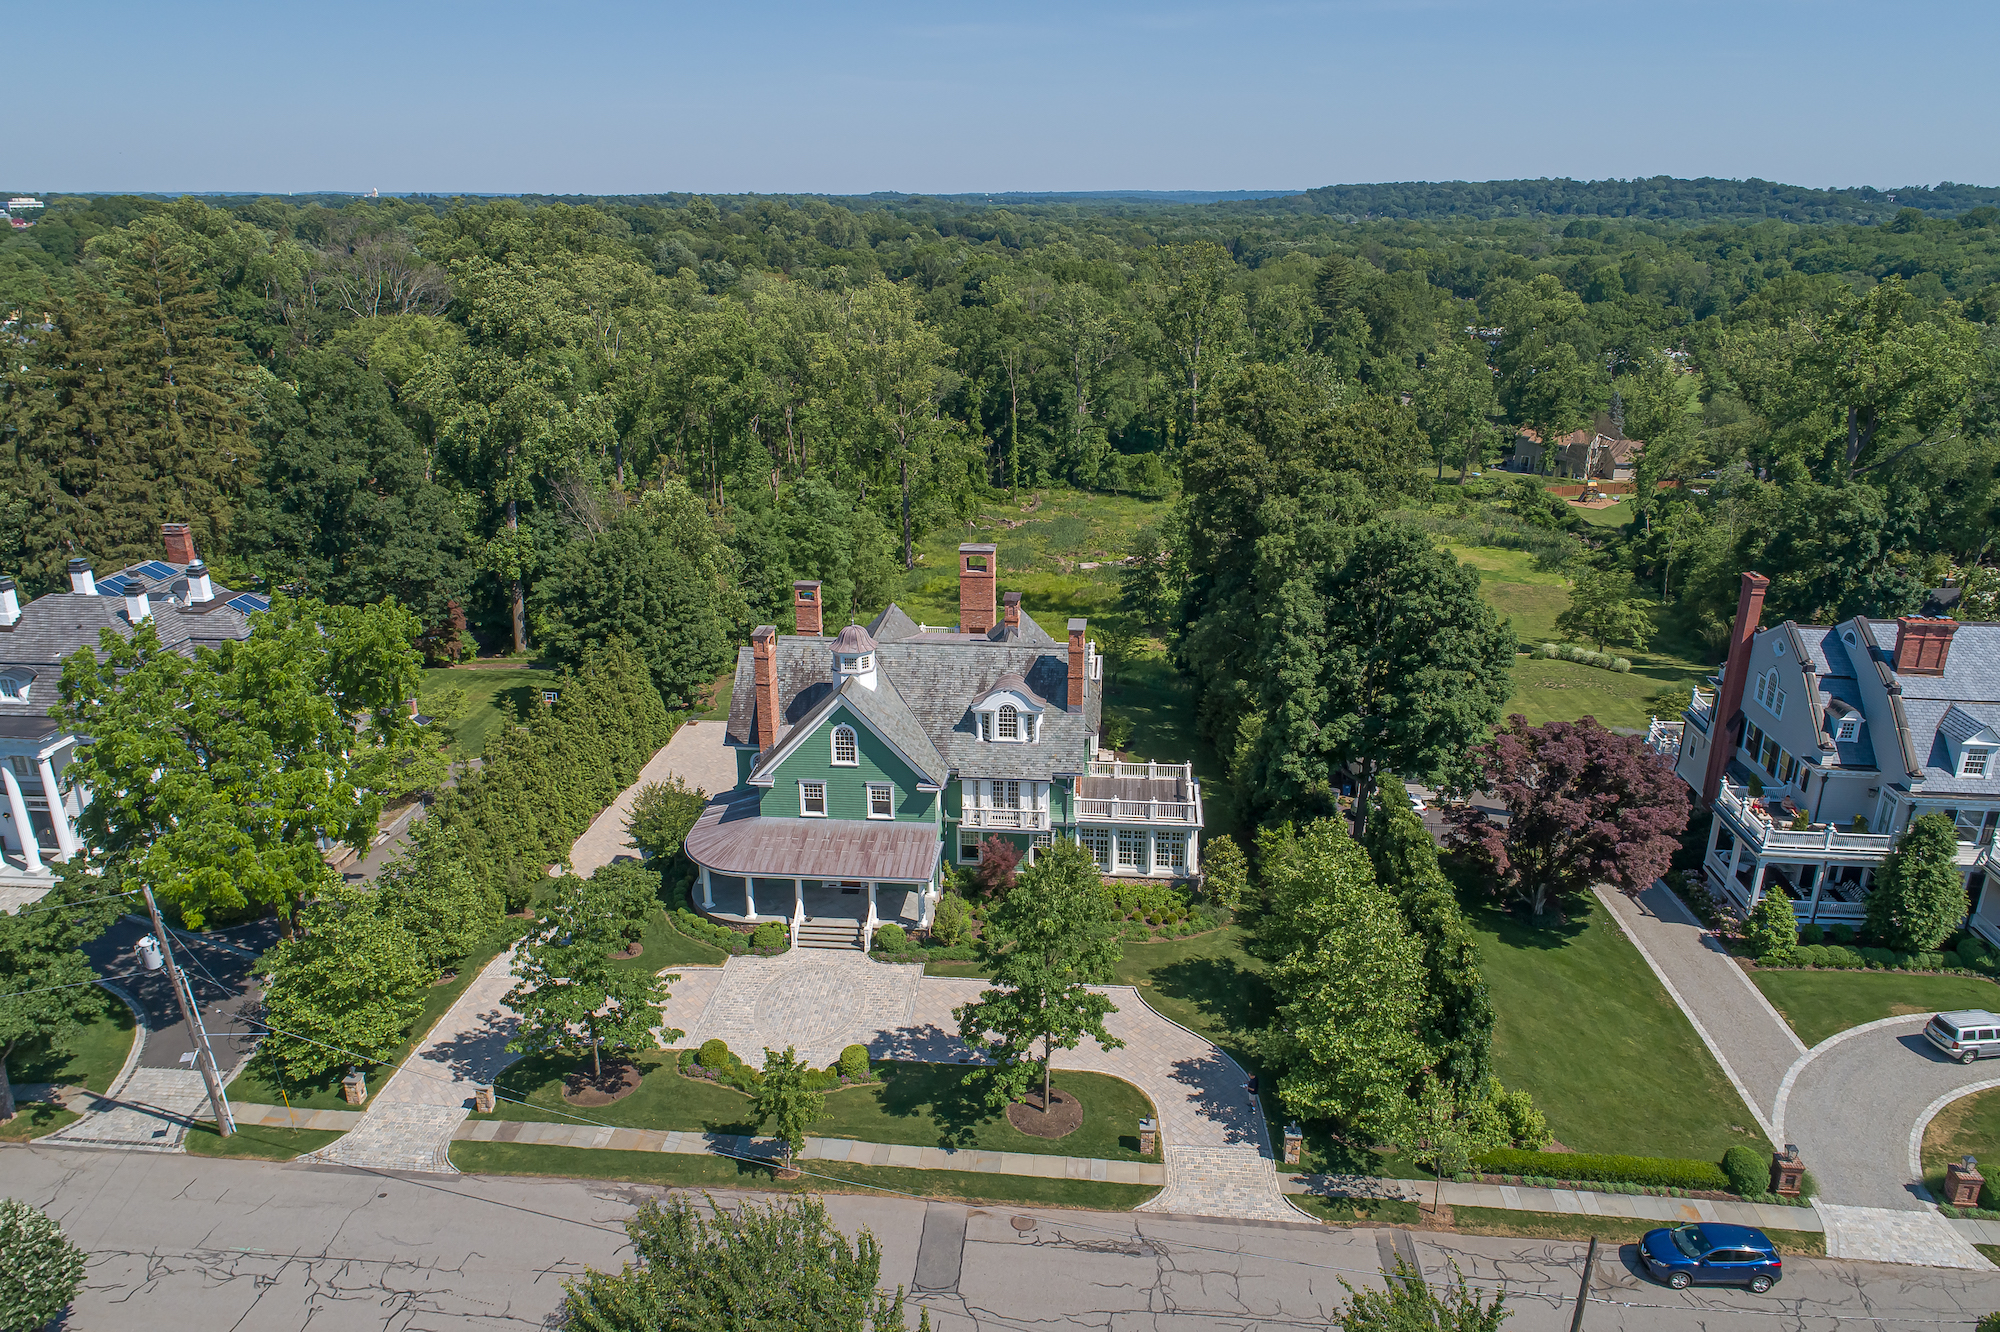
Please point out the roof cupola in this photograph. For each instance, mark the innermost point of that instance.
(854, 655)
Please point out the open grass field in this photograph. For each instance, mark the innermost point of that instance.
(1546, 690)
(1583, 1024)
(258, 1085)
(664, 946)
(95, 1054)
(1820, 1004)
(924, 1105)
(672, 1170)
(258, 1142)
(493, 695)
(1969, 1126)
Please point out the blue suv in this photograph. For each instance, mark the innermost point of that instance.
(1711, 1254)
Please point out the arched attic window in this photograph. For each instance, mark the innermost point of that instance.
(1010, 722)
(845, 754)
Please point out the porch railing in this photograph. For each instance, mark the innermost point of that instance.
(1033, 819)
(1664, 737)
(1139, 811)
(1151, 771)
(1701, 708)
(1763, 833)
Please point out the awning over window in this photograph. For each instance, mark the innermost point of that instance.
(731, 837)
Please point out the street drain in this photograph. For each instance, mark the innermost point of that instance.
(1024, 1224)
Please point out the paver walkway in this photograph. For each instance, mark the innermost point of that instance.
(697, 755)
(409, 1124)
(1218, 1157)
(150, 1109)
(1851, 1103)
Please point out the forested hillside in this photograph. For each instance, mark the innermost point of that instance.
(549, 424)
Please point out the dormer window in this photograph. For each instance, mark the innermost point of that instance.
(14, 688)
(1974, 763)
(1769, 694)
(1010, 722)
(846, 754)
(1849, 729)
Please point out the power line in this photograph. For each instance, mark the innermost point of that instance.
(63, 906)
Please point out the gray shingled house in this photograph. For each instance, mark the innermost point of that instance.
(869, 759)
(188, 610)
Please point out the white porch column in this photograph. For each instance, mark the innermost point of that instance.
(1756, 884)
(707, 889)
(750, 896)
(1819, 884)
(24, 828)
(869, 936)
(1153, 846)
(1735, 856)
(1193, 860)
(65, 835)
(1714, 838)
(798, 908)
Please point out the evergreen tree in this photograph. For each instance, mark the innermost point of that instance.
(1919, 897)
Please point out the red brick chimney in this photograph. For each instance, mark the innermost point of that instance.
(764, 652)
(1922, 645)
(1011, 612)
(180, 543)
(976, 572)
(1722, 736)
(806, 607)
(1077, 654)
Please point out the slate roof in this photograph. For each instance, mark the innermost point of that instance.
(936, 677)
(882, 707)
(54, 626)
(730, 837)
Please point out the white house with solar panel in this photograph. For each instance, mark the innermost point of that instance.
(188, 610)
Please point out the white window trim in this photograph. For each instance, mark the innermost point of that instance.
(854, 742)
(1004, 716)
(1848, 729)
(1965, 768)
(873, 787)
(963, 858)
(805, 813)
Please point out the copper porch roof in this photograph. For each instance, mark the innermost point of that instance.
(731, 837)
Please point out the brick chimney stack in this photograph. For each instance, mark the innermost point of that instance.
(180, 542)
(1078, 654)
(976, 573)
(806, 607)
(764, 654)
(1722, 734)
(1011, 613)
(1922, 646)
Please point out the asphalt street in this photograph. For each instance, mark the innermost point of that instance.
(178, 1241)
(218, 968)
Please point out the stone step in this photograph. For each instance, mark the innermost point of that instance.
(825, 933)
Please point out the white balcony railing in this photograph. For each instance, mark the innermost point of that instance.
(1762, 832)
(1139, 811)
(1150, 771)
(1664, 737)
(1701, 707)
(1036, 820)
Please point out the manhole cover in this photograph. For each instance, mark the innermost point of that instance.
(1024, 1224)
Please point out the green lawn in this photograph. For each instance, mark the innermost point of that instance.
(664, 946)
(492, 695)
(1583, 1024)
(925, 1105)
(258, 1085)
(95, 1056)
(1969, 1126)
(1617, 515)
(258, 1142)
(1820, 1003)
(673, 1170)
(33, 1119)
(1615, 1230)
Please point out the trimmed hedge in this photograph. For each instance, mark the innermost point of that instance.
(1660, 1171)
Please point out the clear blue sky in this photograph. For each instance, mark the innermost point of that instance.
(727, 97)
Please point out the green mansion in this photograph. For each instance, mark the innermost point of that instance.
(868, 761)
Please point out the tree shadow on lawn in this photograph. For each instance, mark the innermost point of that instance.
(1233, 999)
(952, 1094)
(1520, 928)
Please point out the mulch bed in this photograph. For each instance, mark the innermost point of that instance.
(630, 950)
(618, 1081)
(446, 979)
(1064, 1117)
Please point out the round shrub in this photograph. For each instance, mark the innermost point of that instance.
(1746, 1170)
(1622, 665)
(715, 1054)
(891, 937)
(1841, 934)
(1928, 962)
(1809, 955)
(1811, 934)
(1972, 952)
(40, 1270)
(771, 934)
(854, 1063)
(1845, 957)
(951, 923)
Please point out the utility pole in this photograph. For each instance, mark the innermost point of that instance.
(191, 1012)
(1583, 1287)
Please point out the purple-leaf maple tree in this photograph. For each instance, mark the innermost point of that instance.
(1584, 806)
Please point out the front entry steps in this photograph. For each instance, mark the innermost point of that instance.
(831, 932)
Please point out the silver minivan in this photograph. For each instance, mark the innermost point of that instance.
(1968, 1034)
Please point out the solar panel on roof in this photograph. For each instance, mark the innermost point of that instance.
(155, 569)
(113, 585)
(249, 602)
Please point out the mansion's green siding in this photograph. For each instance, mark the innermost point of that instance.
(846, 788)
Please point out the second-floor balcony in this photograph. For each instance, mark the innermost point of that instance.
(1700, 708)
(1034, 820)
(1763, 825)
(1140, 793)
(1664, 737)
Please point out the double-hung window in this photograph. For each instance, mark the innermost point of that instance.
(812, 799)
(846, 753)
(881, 800)
(968, 848)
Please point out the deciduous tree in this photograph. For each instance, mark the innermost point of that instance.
(571, 999)
(1049, 941)
(1602, 610)
(344, 990)
(40, 1270)
(788, 1099)
(49, 994)
(662, 815)
(1584, 807)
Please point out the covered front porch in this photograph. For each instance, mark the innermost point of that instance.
(831, 881)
